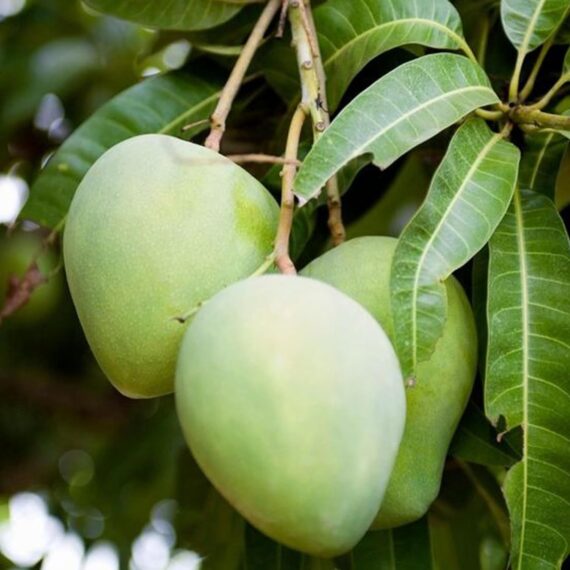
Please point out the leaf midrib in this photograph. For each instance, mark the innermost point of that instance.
(447, 94)
(472, 169)
(525, 322)
(448, 31)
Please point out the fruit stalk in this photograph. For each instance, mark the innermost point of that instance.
(314, 97)
(282, 257)
(231, 88)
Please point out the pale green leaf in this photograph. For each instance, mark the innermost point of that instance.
(162, 104)
(527, 381)
(171, 15)
(468, 196)
(529, 23)
(540, 162)
(398, 112)
(404, 548)
(353, 32)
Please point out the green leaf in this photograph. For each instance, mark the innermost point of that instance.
(403, 548)
(527, 380)
(476, 441)
(529, 23)
(162, 104)
(262, 553)
(174, 15)
(468, 196)
(206, 523)
(540, 162)
(393, 210)
(396, 113)
(353, 32)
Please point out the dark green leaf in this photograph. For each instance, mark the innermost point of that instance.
(527, 380)
(207, 524)
(401, 110)
(468, 196)
(540, 162)
(476, 440)
(404, 548)
(162, 104)
(262, 553)
(174, 15)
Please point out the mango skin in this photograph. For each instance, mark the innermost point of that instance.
(157, 226)
(291, 399)
(361, 269)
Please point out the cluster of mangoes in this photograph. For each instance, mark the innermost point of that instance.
(288, 389)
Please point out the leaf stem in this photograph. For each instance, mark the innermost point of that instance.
(314, 98)
(545, 100)
(490, 115)
(281, 252)
(529, 85)
(231, 88)
(261, 158)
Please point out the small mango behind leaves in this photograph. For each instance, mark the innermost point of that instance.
(436, 401)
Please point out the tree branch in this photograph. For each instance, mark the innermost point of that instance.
(314, 98)
(231, 88)
(282, 257)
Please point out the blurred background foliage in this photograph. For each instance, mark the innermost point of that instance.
(88, 479)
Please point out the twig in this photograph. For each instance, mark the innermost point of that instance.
(529, 85)
(314, 99)
(534, 117)
(545, 100)
(282, 257)
(20, 289)
(229, 92)
(261, 158)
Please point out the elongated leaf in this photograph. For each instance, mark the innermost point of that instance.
(529, 23)
(404, 548)
(399, 111)
(476, 441)
(206, 522)
(540, 162)
(171, 15)
(468, 196)
(353, 32)
(159, 105)
(527, 381)
(262, 553)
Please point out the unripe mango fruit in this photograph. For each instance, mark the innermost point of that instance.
(361, 269)
(17, 251)
(291, 399)
(157, 226)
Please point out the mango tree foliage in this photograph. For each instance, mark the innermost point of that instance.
(175, 15)
(526, 376)
(162, 104)
(529, 23)
(398, 112)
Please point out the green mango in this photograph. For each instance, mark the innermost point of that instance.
(361, 269)
(291, 400)
(17, 251)
(157, 226)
